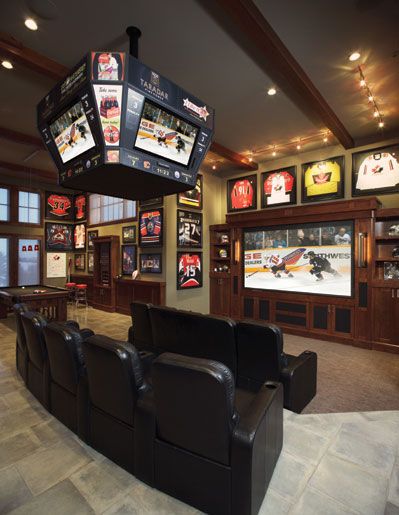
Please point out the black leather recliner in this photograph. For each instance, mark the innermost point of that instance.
(21, 351)
(261, 358)
(68, 393)
(205, 452)
(116, 382)
(140, 333)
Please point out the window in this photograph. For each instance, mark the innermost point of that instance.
(28, 207)
(110, 209)
(4, 204)
(28, 262)
(4, 262)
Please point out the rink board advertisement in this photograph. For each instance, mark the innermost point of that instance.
(292, 260)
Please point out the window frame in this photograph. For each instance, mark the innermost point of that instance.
(112, 222)
(13, 241)
(14, 205)
(10, 243)
(8, 188)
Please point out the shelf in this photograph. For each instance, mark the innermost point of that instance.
(385, 283)
(387, 238)
(221, 259)
(221, 244)
(389, 259)
(220, 275)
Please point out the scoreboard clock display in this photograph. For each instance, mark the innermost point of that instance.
(189, 270)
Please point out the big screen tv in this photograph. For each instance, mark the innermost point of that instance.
(312, 258)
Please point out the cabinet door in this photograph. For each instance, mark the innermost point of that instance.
(385, 312)
(342, 320)
(220, 296)
(320, 318)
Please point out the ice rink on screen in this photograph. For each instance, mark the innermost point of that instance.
(302, 281)
(150, 144)
(80, 144)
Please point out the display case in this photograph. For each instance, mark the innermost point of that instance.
(220, 269)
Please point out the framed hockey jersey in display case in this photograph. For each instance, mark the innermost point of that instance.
(375, 171)
(323, 180)
(241, 193)
(279, 187)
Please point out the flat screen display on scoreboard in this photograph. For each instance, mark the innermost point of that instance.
(305, 258)
(165, 134)
(71, 133)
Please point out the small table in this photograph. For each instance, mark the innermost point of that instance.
(48, 300)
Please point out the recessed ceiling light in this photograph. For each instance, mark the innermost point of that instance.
(7, 65)
(381, 125)
(30, 24)
(214, 167)
(376, 114)
(354, 56)
(298, 147)
(271, 91)
(274, 153)
(325, 139)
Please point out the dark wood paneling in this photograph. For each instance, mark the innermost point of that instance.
(129, 290)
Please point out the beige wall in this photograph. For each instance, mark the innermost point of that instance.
(320, 154)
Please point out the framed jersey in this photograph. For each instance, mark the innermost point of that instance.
(151, 228)
(279, 187)
(59, 206)
(241, 193)
(80, 207)
(189, 229)
(192, 198)
(323, 180)
(375, 171)
(59, 237)
(189, 270)
(79, 237)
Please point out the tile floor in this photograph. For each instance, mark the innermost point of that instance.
(334, 463)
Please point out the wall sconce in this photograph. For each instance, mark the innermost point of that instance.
(237, 252)
(362, 250)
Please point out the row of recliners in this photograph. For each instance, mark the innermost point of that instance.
(252, 351)
(180, 423)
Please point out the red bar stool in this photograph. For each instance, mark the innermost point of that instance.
(71, 292)
(81, 294)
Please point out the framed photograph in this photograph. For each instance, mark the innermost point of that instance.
(129, 234)
(189, 229)
(80, 207)
(79, 237)
(376, 171)
(80, 261)
(241, 193)
(192, 198)
(129, 259)
(59, 237)
(90, 262)
(157, 201)
(150, 263)
(391, 271)
(59, 206)
(279, 187)
(323, 180)
(151, 228)
(90, 236)
(189, 270)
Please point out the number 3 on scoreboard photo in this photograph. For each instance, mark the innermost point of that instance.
(189, 270)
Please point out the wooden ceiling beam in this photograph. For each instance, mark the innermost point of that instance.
(246, 24)
(34, 173)
(20, 137)
(16, 52)
(235, 158)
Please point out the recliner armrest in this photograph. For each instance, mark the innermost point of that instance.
(256, 445)
(145, 432)
(73, 324)
(85, 333)
(299, 378)
(130, 335)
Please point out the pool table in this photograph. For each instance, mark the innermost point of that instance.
(48, 300)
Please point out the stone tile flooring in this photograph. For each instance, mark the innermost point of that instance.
(334, 463)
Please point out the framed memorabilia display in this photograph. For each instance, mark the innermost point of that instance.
(375, 171)
(90, 236)
(151, 228)
(150, 263)
(129, 259)
(279, 187)
(79, 237)
(90, 262)
(80, 207)
(189, 270)
(157, 201)
(59, 206)
(192, 198)
(59, 237)
(129, 234)
(189, 229)
(241, 193)
(323, 180)
(80, 261)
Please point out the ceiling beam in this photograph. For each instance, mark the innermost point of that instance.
(20, 137)
(235, 158)
(15, 51)
(246, 24)
(34, 173)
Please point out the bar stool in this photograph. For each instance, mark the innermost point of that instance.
(71, 292)
(81, 294)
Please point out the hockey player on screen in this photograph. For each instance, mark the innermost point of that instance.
(180, 144)
(320, 265)
(276, 265)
